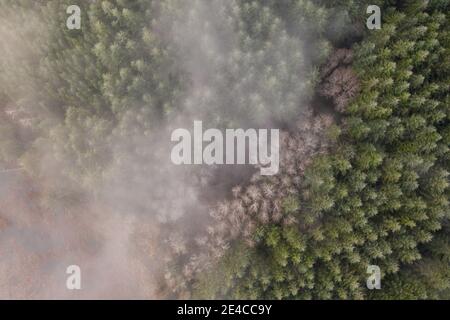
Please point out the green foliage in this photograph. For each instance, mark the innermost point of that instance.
(381, 196)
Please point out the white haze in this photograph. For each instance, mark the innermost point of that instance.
(117, 236)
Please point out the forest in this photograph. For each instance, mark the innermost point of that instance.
(86, 116)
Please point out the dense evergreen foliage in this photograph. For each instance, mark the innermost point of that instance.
(381, 195)
(363, 182)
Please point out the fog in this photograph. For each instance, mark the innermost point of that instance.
(122, 223)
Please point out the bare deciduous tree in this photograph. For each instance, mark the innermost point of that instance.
(341, 83)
